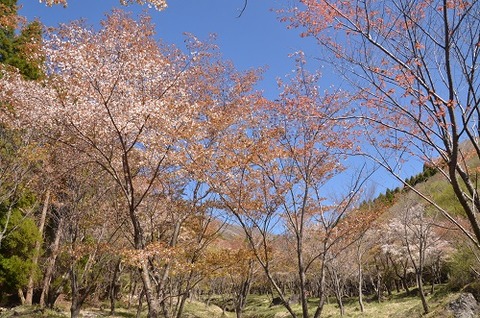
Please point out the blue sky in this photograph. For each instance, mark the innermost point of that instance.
(256, 39)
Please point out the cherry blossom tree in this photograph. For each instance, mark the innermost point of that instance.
(144, 112)
(415, 241)
(277, 176)
(412, 69)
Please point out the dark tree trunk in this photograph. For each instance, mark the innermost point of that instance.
(51, 265)
(113, 287)
(140, 304)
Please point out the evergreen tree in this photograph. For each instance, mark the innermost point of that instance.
(16, 248)
(18, 231)
(21, 51)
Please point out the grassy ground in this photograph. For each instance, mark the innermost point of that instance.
(398, 306)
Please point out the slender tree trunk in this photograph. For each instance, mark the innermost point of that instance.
(302, 277)
(379, 287)
(74, 311)
(140, 304)
(7, 216)
(388, 286)
(422, 292)
(397, 285)
(280, 294)
(78, 296)
(181, 305)
(405, 284)
(340, 305)
(337, 288)
(321, 291)
(434, 277)
(113, 283)
(244, 292)
(162, 284)
(185, 294)
(36, 250)
(132, 290)
(360, 285)
(51, 264)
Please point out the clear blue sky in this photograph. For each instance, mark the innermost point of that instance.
(256, 39)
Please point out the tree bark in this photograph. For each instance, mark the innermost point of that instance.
(132, 290)
(337, 289)
(244, 292)
(422, 293)
(36, 250)
(140, 304)
(21, 296)
(360, 285)
(321, 291)
(51, 264)
(113, 283)
(75, 308)
(302, 276)
(153, 304)
(79, 295)
(379, 289)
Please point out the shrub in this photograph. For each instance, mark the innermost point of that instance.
(460, 268)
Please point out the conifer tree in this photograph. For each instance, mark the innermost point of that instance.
(21, 51)
(18, 231)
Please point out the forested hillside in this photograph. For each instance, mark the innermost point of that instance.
(141, 179)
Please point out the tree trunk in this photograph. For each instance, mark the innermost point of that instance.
(162, 282)
(244, 292)
(321, 291)
(36, 250)
(152, 301)
(379, 289)
(113, 284)
(360, 285)
(397, 285)
(148, 288)
(21, 296)
(78, 295)
(140, 304)
(340, 304)
(388, 286)
(422, 292)
(181, 305)
(75, 308)
(51, 264)
(405, 285)
(337, 289)
(302, 277)
(132, 290)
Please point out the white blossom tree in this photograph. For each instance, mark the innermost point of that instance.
(148, 114)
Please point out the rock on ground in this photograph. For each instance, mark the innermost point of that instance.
(465, 306)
